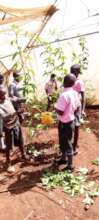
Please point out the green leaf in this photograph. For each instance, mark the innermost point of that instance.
(39, 126)
(15, 55)
(88, 200)
(96, 161)
(83, 170)
(37, 116)
(88, 130)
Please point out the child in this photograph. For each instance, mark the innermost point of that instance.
(15, 93)
(2, 146)
(9, 124)
(66, 106)
(50, 88)
(79, 87)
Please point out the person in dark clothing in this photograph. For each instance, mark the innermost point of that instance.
(67, 104)
(80, 89)
(50, 88)
(10, 126)
(15, 91)
(2, 144)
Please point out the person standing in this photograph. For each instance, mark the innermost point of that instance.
(2, 141)
(10, 126)
(67, 104)
(15, 91)
(80, 89)
(50, 88)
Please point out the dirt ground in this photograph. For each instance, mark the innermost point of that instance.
(21, 194)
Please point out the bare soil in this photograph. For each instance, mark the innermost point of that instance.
(21, 194)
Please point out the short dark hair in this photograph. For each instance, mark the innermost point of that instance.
(15, 74)
(53, 75)
(75, 69)
(69, 80)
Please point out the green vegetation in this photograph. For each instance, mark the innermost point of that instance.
(72, 184)
(96, 161)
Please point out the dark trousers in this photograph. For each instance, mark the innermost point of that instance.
(50, 102)
(65, 133)
(13, 137)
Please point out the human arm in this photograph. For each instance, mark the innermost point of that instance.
(55, 85)
(60, 105)
(14, 97)
(11, 91)
(46, 88)
(82, 103)
(81, 90)
(59, 112)
(1, 126)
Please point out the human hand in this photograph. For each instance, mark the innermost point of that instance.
(83, 113)
(21, 100)
(50, 98)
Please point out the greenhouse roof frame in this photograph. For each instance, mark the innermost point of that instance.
(22, 16)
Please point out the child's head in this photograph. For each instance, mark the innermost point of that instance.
(69, 80)
(53, 76)
(75, 69)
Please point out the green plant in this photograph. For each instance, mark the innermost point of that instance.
(96, 161)
(73, 185)
(88, 200)
(53, 57)
(36, 105)
(22, 62)
(31, 150)
(83, 170)
(82, 56)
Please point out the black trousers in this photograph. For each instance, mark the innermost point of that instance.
(13, 137)
(65, 133)
(50, 102)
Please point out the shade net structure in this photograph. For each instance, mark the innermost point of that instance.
(31, 21)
